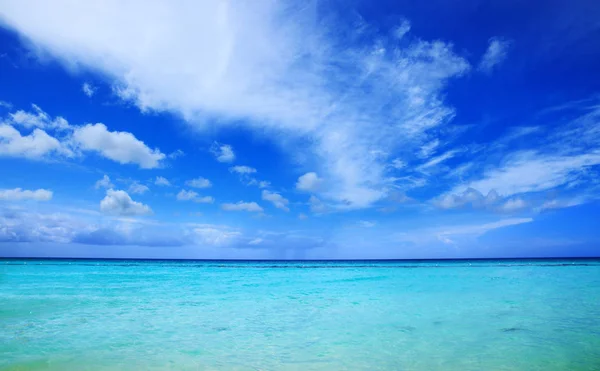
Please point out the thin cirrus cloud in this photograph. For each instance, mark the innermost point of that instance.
(495, 54)
(18, 194)
(351, 101)
(88, 89)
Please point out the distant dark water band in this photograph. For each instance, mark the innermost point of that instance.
(296, 266)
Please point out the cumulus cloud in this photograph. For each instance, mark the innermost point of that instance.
(119, 146)
(494, 55)
(88, 89)
(38, 119)
(18, 194)
(223, 152)
(278, 200)
(199, 182)
(118, 202)
(242, 206)
(184, 195)
(308, 182)
(276, 67)
(104, 183)
(162, 181)
(36, 145)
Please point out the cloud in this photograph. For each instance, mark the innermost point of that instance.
(366, 224)
(162, 181)
(38, 119)
(36, 145)
(532, 171)
(184, 195)
(514, 204)
(120, 203)
(88, 89)
(494, 55)
(242, 169)
(223, 152)
(278, 200)
(242, 206)
(104, 183)
(438, 159)
(308, 182)
(480, 229)
(283, 69)
(470, 197)
(199, 182)
(317, 206)
(176, 154)
(18, 194)
(137, 188)
(118, 146)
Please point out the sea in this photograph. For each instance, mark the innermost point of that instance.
(526, 314)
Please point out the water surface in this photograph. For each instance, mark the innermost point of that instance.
(358, 315)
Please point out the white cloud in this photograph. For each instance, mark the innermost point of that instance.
(215, 235)
(242, 169)
(398, 163)
(199, 182)
(242, 206)
(366, 223)
(317, 206)
(184, 195)
(438, 160)
(514, 204)
(531, 171)
(309, 182)
(176, 154)
(104, 183)
(118, 146)
(223, 152)
(120, 203)
(162, 181)
(278, 200)
(38, 119)
(480, 229)
(429, 148)
(18, 194)
(88, 89)
(36, 145)
(273, 66)
(137, 188)
(495, 54)
(470, 197)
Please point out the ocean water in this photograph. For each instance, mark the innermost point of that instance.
(362, 315)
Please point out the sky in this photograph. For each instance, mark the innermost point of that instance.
(282, 129)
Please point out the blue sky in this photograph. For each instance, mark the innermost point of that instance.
(299, 130)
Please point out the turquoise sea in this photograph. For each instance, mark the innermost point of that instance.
(358, 315)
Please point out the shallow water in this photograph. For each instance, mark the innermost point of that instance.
(363, 315)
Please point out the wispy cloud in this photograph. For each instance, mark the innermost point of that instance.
(88, 89)
(223, 152)
(276, 199)
(495, 54)
(351, 99)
